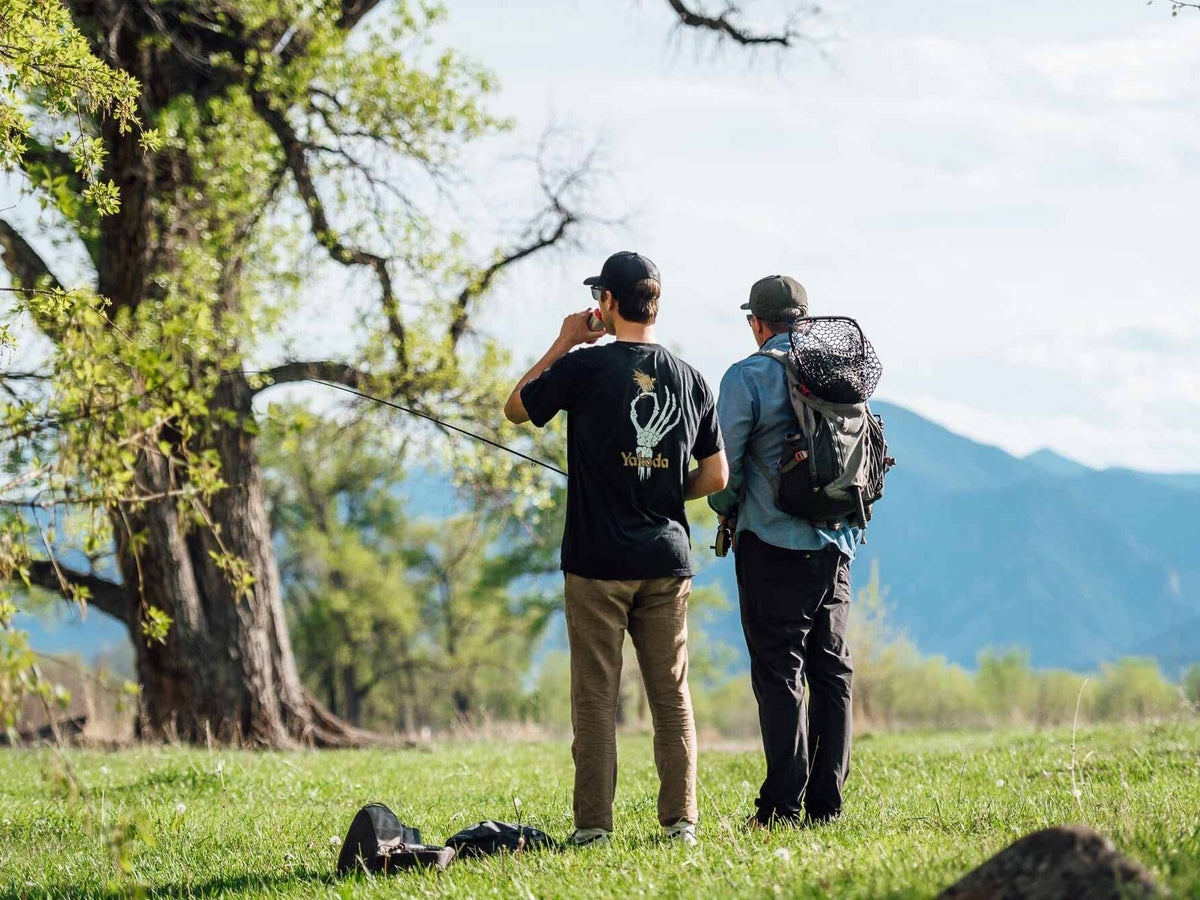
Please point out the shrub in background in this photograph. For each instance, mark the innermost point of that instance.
(1191, 687)
(1134, 688)
(1007, 685)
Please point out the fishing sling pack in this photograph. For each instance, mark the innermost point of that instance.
(379, 842)
(491, 837)
(834, 466)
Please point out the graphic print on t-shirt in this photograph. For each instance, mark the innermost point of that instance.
(661, 417)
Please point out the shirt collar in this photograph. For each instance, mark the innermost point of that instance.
(777, 342)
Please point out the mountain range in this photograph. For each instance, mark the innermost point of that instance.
(976, 548)
(979, 548)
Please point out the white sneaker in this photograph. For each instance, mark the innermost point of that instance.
(590, 837)
(682, 831)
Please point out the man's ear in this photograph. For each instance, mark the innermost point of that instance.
(760, 332)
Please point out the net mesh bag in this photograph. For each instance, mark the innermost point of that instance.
(834, 359)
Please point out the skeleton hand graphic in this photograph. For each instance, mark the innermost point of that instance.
(649, 435)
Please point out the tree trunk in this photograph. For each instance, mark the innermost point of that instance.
(226, 667)
(352, 696)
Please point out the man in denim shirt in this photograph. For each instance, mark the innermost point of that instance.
(793, 580)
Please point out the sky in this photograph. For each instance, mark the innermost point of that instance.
(1004, 195)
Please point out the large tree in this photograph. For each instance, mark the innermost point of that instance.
(256, 117)
(403, 616)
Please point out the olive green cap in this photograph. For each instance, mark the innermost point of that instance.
(777, 298)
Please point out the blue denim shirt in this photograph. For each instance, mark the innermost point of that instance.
(756, 414)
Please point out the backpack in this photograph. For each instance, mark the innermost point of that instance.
(834, 466)
(379, 842)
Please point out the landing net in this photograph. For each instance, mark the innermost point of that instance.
(834, 359)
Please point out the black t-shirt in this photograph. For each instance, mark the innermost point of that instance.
(636, 417)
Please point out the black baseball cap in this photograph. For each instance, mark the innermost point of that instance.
(622, 271)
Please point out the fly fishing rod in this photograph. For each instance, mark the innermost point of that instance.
(593, 317)
(437, 421)
(595, 323)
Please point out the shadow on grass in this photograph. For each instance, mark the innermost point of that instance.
(249, 882)
(190, 778)
(233, 884)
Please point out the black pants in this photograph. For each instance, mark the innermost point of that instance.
(795, 606)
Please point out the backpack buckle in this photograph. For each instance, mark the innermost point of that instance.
(798, 457)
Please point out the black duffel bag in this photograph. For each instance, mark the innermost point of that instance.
(491, 837)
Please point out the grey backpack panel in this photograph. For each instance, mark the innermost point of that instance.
(835, 466)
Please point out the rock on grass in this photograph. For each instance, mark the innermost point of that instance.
(1068, 862)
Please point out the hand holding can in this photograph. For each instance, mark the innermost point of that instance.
(577, 329)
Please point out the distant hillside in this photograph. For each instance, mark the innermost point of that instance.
(980, 548)
(64, 631)
(977, 548)
(1053, 464)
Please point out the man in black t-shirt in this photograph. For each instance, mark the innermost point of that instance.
(637, 416)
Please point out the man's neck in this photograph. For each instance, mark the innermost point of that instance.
(763, 339)
(634, 332)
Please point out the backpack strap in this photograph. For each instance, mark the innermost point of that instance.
(804, 414)
(782, 358)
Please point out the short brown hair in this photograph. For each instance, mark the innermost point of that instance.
(778, 326)
(641, 303)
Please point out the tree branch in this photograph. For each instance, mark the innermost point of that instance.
(107, 596)
(353, 12)
(44, 163)
(292, 42)
(319, 370)
(553, 224)
(29, 271)
(723, 25)
(479, 286)
(7, 378)
(54, 161)
(294, 150)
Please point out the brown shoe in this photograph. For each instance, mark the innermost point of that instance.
(775, 821)
(754, 823)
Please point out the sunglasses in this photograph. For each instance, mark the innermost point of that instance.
(597, 293)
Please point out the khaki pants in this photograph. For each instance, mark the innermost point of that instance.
(654, 612)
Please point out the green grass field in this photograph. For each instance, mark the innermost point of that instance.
(921, 810)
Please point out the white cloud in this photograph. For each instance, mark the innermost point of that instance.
(1149, 66)
(1004, 196)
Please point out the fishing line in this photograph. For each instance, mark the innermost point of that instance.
(437, 421)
